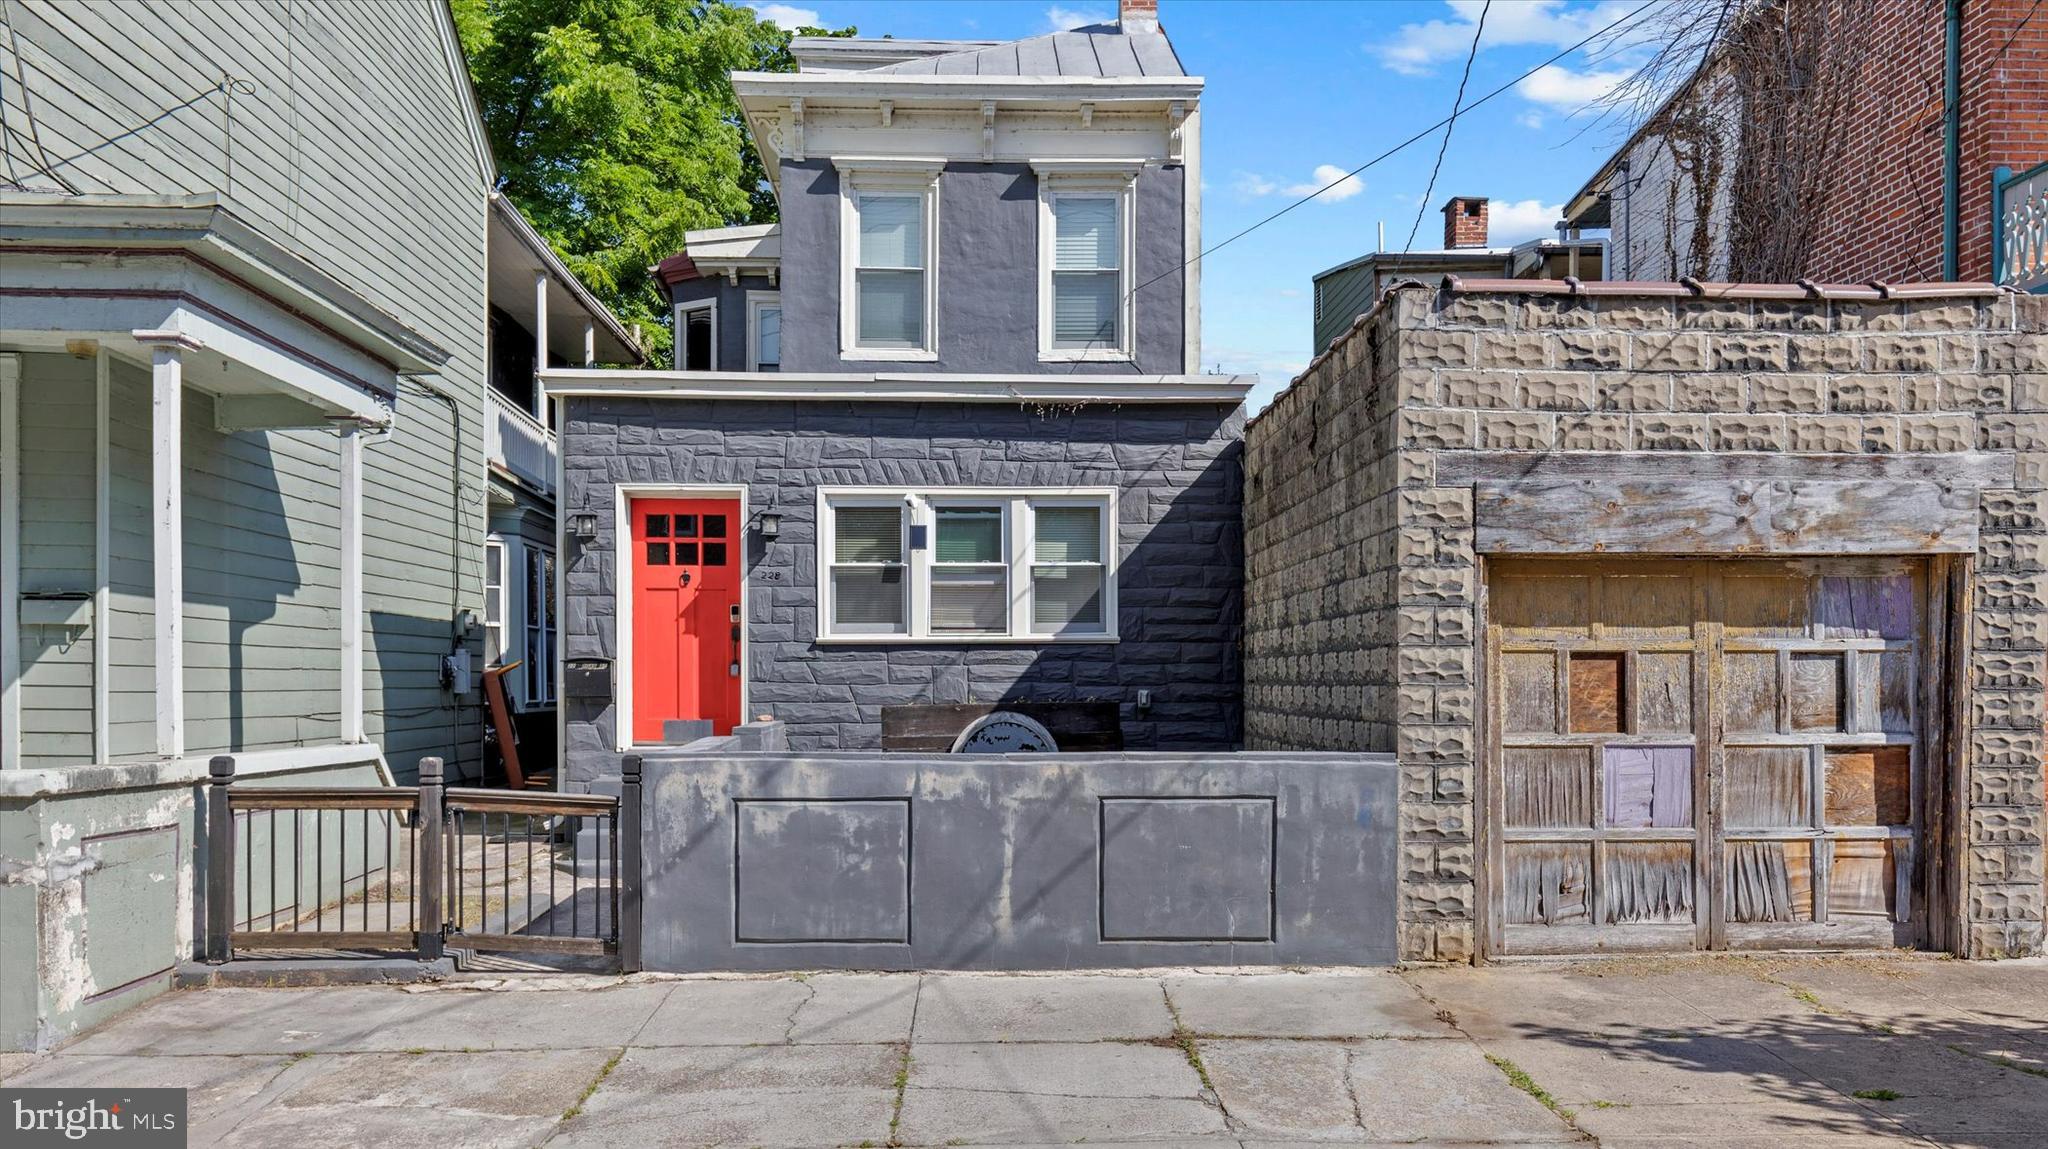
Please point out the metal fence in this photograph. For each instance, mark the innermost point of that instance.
(419, 869)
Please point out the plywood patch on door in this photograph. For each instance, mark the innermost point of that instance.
(1770, 881)
(1767, 787)
(1597, 688)
(1861, 879)
(1870, 787)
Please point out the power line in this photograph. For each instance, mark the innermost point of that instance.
(1424, 133)
(1422, 204)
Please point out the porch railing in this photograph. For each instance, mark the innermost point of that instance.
(418, 869)
(520, 442)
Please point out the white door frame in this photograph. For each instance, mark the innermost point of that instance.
(622, 564)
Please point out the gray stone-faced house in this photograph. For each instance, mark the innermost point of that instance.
(1700, 616)
(939, 435)
(247, 445)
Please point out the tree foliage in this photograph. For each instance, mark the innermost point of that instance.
(615, 130)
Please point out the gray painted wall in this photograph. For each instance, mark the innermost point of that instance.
(732, 333)
(1037, 861)
(987, 273)
(1177, 466)
(355, 151)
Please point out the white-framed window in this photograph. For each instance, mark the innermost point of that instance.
(697, 335)
(494, 602)
(764, 331)
(1086, 308)
(538, 673)
(888, 259)
(967, 565)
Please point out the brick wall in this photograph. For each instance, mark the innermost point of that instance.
(1884, 220)
(1360, 570)
(1177, 468)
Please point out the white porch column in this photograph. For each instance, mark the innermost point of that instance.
(167, 514)
(351, 604)
(10, 561)
(540, 345)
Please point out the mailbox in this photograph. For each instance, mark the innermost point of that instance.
(587, 678)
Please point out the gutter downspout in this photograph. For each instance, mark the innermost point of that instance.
(1951, 143)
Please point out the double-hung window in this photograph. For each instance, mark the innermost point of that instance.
(888, 233)
(1085, 252)
(764, 331)
(697, 335)
(968, 565)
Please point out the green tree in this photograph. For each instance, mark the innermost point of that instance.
(615, 130)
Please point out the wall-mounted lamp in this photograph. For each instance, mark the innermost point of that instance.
(583, 524)
(771, 525)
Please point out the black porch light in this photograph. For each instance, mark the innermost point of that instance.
(771, 525)
(583, 524)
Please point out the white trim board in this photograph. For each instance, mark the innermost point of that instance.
(935, 387)
(679, 341)
(10, 562)
(622, 592)
(757, 302)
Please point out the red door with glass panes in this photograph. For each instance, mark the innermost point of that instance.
(686, 564)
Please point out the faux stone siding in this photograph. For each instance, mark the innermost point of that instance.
(1361, 577)
(1177, 468)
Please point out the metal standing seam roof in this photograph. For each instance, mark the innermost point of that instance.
(1098, 50)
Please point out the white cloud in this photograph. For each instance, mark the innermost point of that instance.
(1417, 49)
(1531, 119)
(1062, 19)
(1348, 185)
(1510, 222)
(1252, 185)
(787, 16)
(1563, 90)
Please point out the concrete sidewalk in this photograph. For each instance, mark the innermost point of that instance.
(1723, 1052)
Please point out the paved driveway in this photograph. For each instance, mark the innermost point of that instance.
(1724, 1052)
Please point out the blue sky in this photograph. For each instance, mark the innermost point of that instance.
(1297, 93)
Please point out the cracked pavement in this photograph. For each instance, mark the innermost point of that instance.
(1725, 1052)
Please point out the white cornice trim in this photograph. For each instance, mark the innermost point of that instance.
(1083, 166)
(881, 386)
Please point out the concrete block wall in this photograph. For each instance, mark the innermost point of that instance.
(1361, 578)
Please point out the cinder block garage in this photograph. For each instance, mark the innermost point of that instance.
(1700, 616)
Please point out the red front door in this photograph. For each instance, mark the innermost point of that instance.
(687, 563)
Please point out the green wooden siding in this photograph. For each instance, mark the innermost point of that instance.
(1343, 296)
(355, 150)
(57, 416)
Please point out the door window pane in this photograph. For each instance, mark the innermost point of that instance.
(686, 554)
(714, 526)
(657, 526)
(686, 526)
(714, 554)
(657, 554)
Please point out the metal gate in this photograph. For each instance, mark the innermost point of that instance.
(420, 869)
(1709, 753)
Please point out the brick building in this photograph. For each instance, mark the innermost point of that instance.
(1869, 138)
(1706, 617)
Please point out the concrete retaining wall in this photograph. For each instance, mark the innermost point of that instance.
(885, 861)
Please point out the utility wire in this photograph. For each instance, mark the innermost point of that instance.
(1422, 204)
(1423, 134)
(2016, 30)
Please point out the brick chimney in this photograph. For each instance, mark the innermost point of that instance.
(1137, 15)
(1465, 221)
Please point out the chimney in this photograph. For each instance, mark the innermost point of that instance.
(1137, 15)
(1465, 221)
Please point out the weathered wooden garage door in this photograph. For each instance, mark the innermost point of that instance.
(1705, 754)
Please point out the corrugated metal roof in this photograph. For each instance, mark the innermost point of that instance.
(1097, 50)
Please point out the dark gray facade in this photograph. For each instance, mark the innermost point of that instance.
(1176, 467)
(987, 273)
(732, 332)
(1027, 861)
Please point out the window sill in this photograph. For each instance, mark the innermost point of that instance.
(965, 640)
(887, 354)
(1079, 355)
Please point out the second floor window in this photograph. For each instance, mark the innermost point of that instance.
(1086, 273)
(889, 280)
(697, 336)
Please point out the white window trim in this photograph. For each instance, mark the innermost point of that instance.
(1019, 527)
(756, 300)
(898, 177)
(536, 656)
(495, 543)
(1122, 182)
(682, 309)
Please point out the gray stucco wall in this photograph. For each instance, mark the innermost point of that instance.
(987, 272)
(1179, 612)
(732, 331)
(1027, 861)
